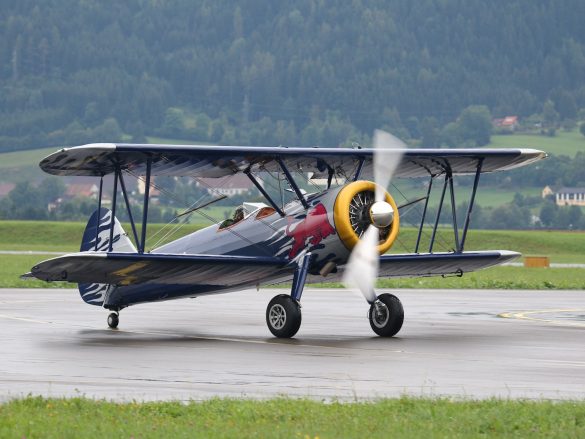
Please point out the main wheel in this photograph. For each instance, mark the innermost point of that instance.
(113, 320)
(386, 315)
(283, 316)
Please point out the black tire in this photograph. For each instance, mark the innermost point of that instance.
(283, 316)
(113, 320)
(388, 322)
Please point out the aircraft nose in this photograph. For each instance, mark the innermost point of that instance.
(381, 214)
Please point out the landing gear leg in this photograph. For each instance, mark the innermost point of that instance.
(386, 315)
(113, 320)
(283, 314)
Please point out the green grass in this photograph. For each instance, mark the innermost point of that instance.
(18, 159)
(496, 278)
(167, 141)
(13, 266)
(486, 196)
(559, 246)
(66, 236)
(567, 143)
(290, 418)
(506, 278)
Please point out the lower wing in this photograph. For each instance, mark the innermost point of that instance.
(431, 264)
(134, 268)
(226, 270)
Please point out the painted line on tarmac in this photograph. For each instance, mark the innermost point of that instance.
(24, 319)
(532, 316)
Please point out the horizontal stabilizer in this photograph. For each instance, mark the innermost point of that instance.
(128, 269)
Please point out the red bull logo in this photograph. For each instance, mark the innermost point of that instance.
(314, 228)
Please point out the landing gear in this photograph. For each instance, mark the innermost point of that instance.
(113, 320)
(386, 315)
(283, 316)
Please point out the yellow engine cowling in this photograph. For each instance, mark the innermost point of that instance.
(341, 216)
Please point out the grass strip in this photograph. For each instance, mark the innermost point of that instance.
(560, 246)
(36, 417)
(497, 278)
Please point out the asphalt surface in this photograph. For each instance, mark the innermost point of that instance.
(471, 344)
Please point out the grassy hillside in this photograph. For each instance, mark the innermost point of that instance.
(567, 143)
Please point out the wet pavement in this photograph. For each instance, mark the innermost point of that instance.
(470, 344)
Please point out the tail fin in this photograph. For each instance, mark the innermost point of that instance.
(96, 237)
(98, 229)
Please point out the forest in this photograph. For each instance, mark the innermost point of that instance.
(310, 72)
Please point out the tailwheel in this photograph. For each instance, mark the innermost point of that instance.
(113, 320)
(386, 315)
(283, 316)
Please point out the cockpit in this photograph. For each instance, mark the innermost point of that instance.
(246, 210)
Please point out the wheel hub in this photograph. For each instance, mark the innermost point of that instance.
(380, 315)
(277, 316)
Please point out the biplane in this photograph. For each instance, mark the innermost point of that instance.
(341, 232)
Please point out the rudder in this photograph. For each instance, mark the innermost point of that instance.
(97, 231)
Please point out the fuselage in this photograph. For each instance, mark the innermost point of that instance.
(262, 232)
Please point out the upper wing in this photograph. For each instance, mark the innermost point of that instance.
(134, 268)
(219, 161)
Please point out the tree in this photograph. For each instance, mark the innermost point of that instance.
(550, 117)
(429, 129)
(475, 123)
(548, 213)
(451, 135)
(109, 131)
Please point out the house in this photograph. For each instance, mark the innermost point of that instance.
(237, 184)
(508, 123)
(570, 196)
(141, 187)
(547, 191)
(82, 190)
(6, 188)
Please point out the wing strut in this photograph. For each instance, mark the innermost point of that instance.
(453, 210)
(97, 223)
(113, 221)
(438, 213)
(448, 182)
(424, 215)
(142, 243)
(292, 183)
(263, 192)
(471, 203)
(125, 193)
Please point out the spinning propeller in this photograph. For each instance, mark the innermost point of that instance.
(362, 267)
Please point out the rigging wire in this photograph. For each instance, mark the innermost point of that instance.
(152, 184)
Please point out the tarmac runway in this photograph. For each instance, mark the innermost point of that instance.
(470, 344)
